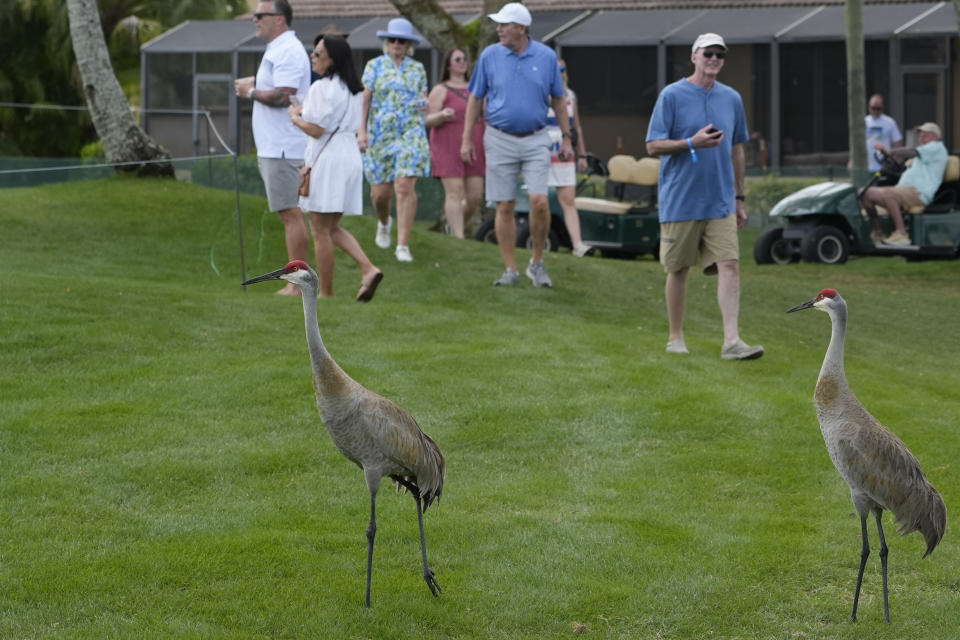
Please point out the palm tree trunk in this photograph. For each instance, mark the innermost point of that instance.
(856, 90)
(123, 139)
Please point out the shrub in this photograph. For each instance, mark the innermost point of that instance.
(762, 193)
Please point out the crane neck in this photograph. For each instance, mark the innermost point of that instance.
(319, 356)
(833, 360)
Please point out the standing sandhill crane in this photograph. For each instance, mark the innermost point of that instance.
(371, 431)
(878, 467)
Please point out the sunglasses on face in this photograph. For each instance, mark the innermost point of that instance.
(458, 59)
(315, 54)
(259, 16)
(396, 41)
(719, 54)
(563, 69)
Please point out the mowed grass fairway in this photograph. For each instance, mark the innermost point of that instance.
(164, 472)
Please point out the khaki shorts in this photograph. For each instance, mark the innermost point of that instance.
(907, 196)
(714, 240)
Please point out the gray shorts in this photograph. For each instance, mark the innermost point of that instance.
(281, 177)
(509, 156)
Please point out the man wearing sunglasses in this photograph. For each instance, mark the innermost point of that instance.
(882, 132)
(284, 71)
(698, 128)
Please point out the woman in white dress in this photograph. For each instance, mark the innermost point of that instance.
(330, 116)
(563, 173)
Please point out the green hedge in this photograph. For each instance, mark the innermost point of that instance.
(764, 192)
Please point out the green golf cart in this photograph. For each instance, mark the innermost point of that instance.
(826, 223)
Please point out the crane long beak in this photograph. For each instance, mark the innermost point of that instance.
(273, 275)
(806, 305)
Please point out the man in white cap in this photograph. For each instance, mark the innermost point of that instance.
(520, 79)
(915, 188)
(284, 72)
(698, 128)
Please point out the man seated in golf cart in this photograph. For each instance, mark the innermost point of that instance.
(916, 187)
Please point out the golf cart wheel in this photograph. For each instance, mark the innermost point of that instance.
(771, 248)
(525, 240)
(486, 232)
(825, 244)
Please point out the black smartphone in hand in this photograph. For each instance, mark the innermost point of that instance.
(713, 130)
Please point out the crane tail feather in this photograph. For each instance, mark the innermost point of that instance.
(934, 524)
(928, 515)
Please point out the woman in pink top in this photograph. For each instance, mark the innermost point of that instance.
(462, 183)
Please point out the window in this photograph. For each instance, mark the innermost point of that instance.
(923, 51)
(613, 80)
(171, 81)
(213, 63)
(813, 97)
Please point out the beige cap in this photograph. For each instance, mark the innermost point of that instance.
(930, 127)
(709, 40)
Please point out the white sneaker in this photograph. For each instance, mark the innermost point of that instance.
(383, 234)
(582, 250)
(403, 253)
(740, 350)
(677, 346)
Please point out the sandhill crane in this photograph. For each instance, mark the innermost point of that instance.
(878, 467)
(370, 430)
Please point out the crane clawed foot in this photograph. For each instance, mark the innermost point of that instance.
(432, 583)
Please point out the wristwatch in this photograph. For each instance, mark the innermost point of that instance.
(250, 93)
(739, 197)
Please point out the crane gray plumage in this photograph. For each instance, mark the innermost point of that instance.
(369, 430)
(879, 469)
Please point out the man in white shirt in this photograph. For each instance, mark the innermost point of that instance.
(284, 71)
(882, 131)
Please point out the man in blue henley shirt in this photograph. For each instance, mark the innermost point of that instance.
(698, 128)
(520, 80)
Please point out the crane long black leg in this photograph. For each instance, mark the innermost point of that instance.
(371, 534)
(864, 554)
(427, 573)
(883, 564)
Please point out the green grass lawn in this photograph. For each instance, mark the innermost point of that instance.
(164, 472)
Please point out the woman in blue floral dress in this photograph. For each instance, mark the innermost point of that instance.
(392, 134)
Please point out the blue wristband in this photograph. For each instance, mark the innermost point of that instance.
(693, 153)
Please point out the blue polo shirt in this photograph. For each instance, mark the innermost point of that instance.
(704, 189)
(517, 87)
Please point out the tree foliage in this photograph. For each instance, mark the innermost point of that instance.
(39, 66)
(444, 32)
